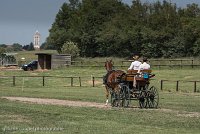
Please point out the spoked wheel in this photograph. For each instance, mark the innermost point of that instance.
(143, 99)
(125, 96)
(114, 99)
(153, 97)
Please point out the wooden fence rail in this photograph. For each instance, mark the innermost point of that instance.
(43, 78)
(169, 63)
(178, 83)
(154, 63)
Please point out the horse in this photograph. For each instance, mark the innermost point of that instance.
(111, 79)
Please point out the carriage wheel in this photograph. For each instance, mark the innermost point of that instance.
(143, 99)
(153, 97)
(114, 99)
(125, 96)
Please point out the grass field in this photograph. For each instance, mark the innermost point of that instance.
(30, 55)
(178, 115)
(178, 112)
(86, 74)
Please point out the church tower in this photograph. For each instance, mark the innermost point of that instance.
(36, 40)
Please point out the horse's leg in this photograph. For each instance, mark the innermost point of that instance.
(107, 94)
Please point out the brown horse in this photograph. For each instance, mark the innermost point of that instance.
(111, 79)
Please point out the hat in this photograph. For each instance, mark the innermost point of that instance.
(145, 59)
(135, 54)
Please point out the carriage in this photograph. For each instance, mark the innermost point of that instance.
(132, 85)
(147, 96)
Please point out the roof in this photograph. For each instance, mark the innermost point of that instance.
(43, 54)
(52, 54)
(37, 33)
(10, 54)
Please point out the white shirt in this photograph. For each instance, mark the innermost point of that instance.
(144, 66)
(135, 65)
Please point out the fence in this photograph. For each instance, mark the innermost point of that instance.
(169, 63)
(154, 63)
(177, 84)
(43, 80)
(83, 81)
(87, 64)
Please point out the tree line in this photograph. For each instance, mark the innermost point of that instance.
(18, 47)
(113, 28)
(15, 47)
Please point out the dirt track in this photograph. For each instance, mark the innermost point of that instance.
(57, 102)
(46, 101)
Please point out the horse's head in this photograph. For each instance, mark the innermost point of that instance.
(109, 65)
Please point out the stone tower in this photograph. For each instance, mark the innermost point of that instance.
(36, 39)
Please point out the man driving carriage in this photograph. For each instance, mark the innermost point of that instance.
(136, 63)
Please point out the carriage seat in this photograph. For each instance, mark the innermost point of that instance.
(143, 75)
(136, 71)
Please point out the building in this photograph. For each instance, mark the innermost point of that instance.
(36, 40)
(52, 61)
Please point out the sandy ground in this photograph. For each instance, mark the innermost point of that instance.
(10, 68)
(46, 101)
(57, 102)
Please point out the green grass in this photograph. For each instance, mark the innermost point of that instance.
(170, 119)
(178, 112)
(86, 74)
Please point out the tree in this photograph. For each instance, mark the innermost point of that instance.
(47, 46)
(101, 27)
(112, 28)
(3, 45)
(17, 47)
(174, 48)
(60, 31)
(25, 47)
(2, 50)
(43, 46)
(70, 48)
(31, 47)
(192, 11)
(196, 48)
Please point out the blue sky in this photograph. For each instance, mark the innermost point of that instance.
(19, 19)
